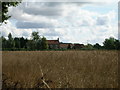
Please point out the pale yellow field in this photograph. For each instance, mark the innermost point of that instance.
(61, 69)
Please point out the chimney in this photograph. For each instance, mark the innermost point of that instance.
(58, 39)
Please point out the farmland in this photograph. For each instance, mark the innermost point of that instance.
(60, 69)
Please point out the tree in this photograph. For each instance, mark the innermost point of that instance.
(44, 44)
(69, 46)
(31, 45)
(117, 44)
(35, 36)
(4, 9)
(89, 46)
(39, 46)
(0, 44)
(10, 37)
(17, 42)
(97, 46)
(22, 42)
(3, 43)
(109, 43)
(36, 41)
(26, 40)
(10, 42)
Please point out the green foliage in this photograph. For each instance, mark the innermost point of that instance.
(69, 47)
(111, 43)
(117, 44)
(4, 9)
(10, 37)
(4, 42)
(89, 46)
(31, 45)
(10, 42)
(23, 42)
(17, 42)
(35, 43)
(44, 43)
(38, 43)
(97, 46)
(20, 42)
(35, 36)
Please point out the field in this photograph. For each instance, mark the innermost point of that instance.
(60, 69)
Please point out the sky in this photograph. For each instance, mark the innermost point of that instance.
(91, 21)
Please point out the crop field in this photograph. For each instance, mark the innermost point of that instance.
(60, 69)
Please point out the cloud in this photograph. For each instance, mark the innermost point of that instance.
(43, 15)
(52, 32)
(36, 9)
(24, 25)
(110, 1)
(9, 28)
(106, 19)
(102, 20)
(44, 9)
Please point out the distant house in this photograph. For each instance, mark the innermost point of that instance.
(78, 46)
(53, 44)
(66, 45)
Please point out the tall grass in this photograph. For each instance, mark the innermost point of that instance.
(61, 69)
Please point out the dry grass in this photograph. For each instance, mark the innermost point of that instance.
(61, 69)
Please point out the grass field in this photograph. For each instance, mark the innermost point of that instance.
(60, 69)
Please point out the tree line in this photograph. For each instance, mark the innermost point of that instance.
(40, 43)
(35, 43)
(108, 44)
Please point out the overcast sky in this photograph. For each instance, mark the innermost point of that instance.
(78, 22)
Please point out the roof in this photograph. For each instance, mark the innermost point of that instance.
(78, 44)
(53, 41)
(65, 45)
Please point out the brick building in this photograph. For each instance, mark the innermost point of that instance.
(55, 44)
(66, 45)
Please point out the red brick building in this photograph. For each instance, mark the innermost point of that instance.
(53, 44)
(66, 45)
